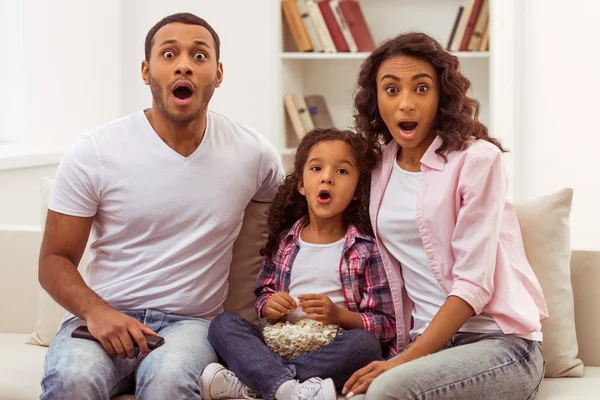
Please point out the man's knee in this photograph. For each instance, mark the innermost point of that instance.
(75, 380)
(167, 378)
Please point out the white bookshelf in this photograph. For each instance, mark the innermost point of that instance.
(333, 75)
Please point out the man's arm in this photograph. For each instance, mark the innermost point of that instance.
(63, 245)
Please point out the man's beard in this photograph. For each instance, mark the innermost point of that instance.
(158, 92)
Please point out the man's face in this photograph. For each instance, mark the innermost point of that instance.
(182, 71)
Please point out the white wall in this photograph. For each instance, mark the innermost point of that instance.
(559, 137)
(81, 68)
(72, 67)
(11, 71)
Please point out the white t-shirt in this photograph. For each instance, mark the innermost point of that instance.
(164, 224)
(316, 270)
(399, 232)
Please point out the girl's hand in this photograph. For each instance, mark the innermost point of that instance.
(320, 308)
(360, 381)
(278, 305)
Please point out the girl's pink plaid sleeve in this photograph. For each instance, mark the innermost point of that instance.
(265, 284)
(377, 306)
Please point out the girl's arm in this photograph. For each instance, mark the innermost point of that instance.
(482, 185)
(376, 306)
(265, 284)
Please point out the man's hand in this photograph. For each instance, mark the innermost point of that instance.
(117, 331)
(278, 305)
(320, 308)
(360, 381)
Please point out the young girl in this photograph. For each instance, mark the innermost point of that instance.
(465, 295)
(320, 250)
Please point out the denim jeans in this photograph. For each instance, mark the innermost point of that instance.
(81, 369)
(470, 366)
(241, 345)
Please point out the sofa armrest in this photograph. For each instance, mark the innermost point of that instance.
(19, 250)
(585, 277)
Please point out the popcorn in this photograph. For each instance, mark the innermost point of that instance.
(293, 340)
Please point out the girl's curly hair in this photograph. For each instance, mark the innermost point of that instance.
(457, 120)
(289, 205)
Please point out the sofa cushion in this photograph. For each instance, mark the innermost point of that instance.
(585, 275)
(22, 368)
(546, 236)
(242, 276)
(570, 388)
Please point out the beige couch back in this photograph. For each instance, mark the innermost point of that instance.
(19, 250)
(18, 283)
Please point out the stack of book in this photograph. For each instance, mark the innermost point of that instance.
(471, 31)
(307, 112)
(328, 26)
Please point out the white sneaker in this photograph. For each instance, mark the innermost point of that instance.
(315, 389)
(217, 382)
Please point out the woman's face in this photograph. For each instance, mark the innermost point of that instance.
(407, 97)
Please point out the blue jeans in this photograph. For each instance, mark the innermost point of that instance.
(470, 366)
(241, 345)
(81, 369)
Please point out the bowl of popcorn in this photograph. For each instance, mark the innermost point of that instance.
(293, 340)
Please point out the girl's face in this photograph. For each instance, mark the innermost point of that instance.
(407, 97)
(329, 179)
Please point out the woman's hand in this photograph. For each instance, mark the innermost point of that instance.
(360, 381)
(278, 305)
(320, 308)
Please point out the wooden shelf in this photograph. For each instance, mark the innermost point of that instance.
(362, 56)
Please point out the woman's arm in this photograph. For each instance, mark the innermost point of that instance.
(482, 185)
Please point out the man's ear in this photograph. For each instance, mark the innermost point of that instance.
(219, 74)
(145, 71)
(301, 189)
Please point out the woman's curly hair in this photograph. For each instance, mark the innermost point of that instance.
(289, 205)
(457, 120)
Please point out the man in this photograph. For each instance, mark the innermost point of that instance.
(163, 192)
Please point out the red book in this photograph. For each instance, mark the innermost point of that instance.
(358, 25)
(464, 45)
(333, 27)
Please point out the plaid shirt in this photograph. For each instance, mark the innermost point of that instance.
(364, 282)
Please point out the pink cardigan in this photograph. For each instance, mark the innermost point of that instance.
(471, 235)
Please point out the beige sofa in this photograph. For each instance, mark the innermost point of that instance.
(23, 306)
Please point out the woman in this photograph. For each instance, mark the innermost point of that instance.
(468, 305)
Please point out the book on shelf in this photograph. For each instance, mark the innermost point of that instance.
(480, 27)
(319, 112)
(321, 26)
(328, 25)
(470, 26)
(309, 25)
(357, 25)
(294, 21)
(307, 112)
(333, 27)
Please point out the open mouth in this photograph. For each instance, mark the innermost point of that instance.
(324, 196)
(183, 90)
(408, 126)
